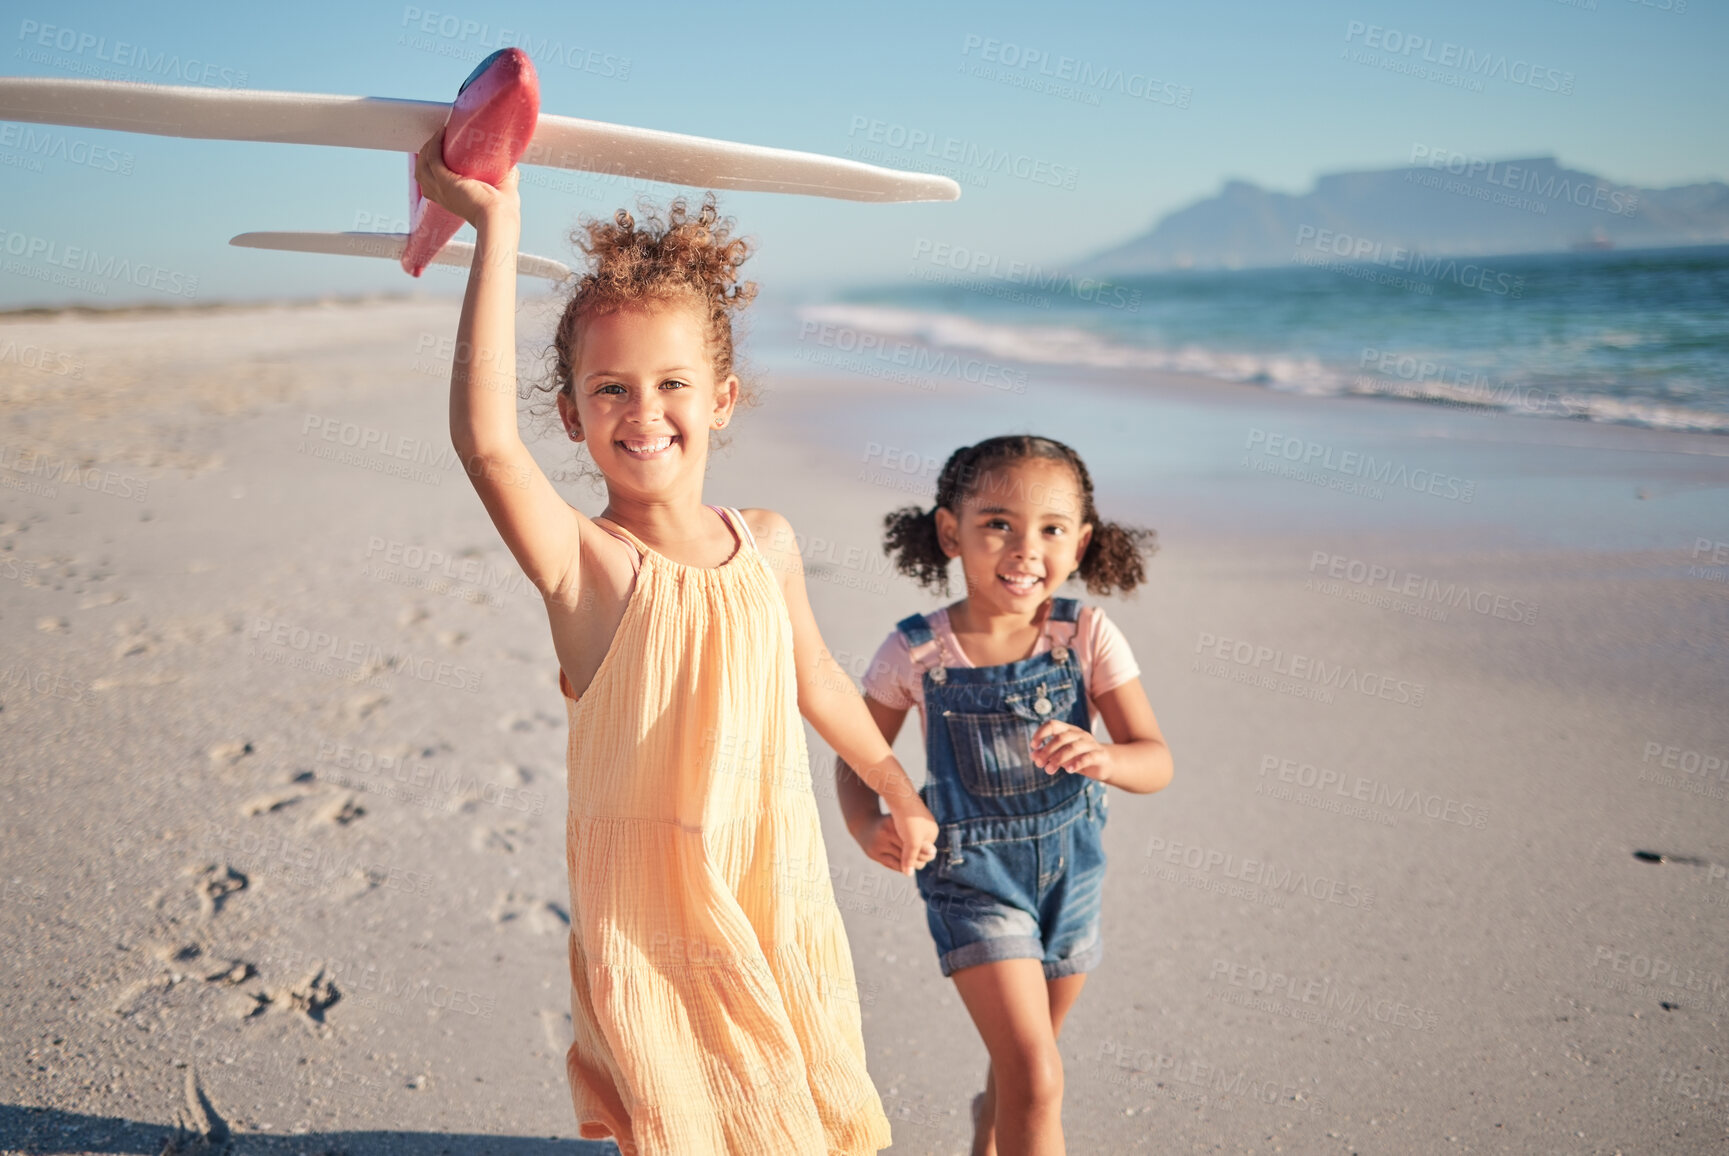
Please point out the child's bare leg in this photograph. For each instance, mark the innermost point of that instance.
(1010, 1005)
(1063, 991)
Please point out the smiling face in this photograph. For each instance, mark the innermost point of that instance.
(644, 398)
(1019, 534)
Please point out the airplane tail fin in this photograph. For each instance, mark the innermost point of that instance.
(390, 247)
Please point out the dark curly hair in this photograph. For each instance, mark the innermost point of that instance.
(676, 258)
(1113, 558)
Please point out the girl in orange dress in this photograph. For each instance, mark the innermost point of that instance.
(712, 990)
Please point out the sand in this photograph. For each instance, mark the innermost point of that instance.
(281, 785)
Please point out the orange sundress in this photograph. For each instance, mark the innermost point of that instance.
(712, 989)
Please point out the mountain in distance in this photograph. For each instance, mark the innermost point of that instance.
(1465, 208)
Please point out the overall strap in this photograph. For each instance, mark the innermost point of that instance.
(1061, 625)
(922, 644)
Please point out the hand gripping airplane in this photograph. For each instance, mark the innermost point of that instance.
(494, 123)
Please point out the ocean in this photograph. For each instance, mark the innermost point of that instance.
(1630, 337)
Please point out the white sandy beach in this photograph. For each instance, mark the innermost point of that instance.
(282, 780)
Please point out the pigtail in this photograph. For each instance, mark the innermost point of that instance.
(910, 538)
(1114, 557)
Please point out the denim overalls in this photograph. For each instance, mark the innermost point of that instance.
(1019, 861)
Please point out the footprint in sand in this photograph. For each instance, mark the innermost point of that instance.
(215, 883)
(506, 837)
(311, 996)
(146, 678)
(343, 811)
(108, 598)
(231, 972)
(174, 964)
(199, 1130)
(360, 706)
(557, 1028)
(272, 801)
(541, 916)
(525, 721)
(53, 625)
(135, 638)
(229, 753)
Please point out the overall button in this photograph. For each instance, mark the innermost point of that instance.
(939, 675)
(1059, 653)
(1042, 705)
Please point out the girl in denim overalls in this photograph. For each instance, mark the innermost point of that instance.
(1008, 680)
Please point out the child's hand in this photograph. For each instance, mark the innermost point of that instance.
(468, 198)
(1061, 746)
(916, 830)
(881, 841)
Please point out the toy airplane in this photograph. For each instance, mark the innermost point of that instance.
(494, 123)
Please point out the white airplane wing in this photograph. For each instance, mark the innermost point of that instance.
(371, 122)
(459, 253)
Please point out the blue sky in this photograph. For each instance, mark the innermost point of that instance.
(1262, 91)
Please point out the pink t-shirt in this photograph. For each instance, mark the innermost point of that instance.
(1103, 652)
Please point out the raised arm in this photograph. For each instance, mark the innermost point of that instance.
(540, 528)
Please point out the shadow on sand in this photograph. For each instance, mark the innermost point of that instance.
(51, 1132)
